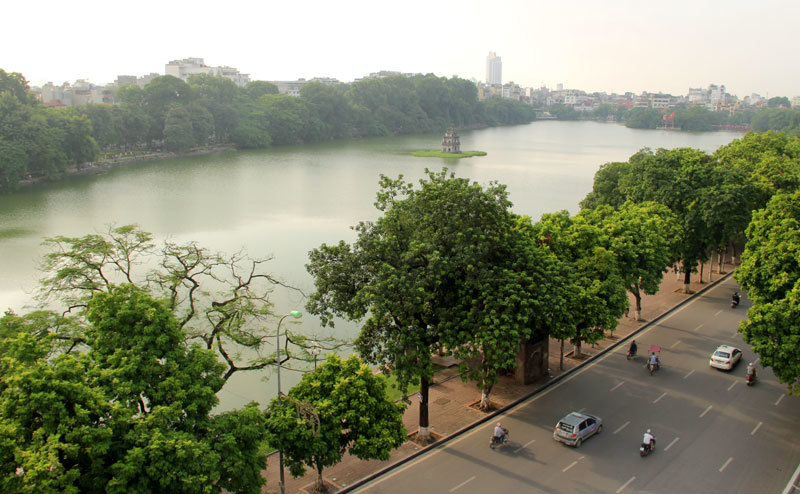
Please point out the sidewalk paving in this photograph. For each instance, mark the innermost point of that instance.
(450, 397)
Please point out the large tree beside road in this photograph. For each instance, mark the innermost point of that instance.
(432, 272)
(770, 272)
(341, 407)
(642, 238)
(594, 295)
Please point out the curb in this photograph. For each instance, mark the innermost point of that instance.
(369, 478)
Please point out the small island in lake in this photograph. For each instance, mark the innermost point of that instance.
(451, 148)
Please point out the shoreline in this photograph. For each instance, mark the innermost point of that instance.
(103, 165)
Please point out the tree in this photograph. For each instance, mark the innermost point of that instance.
(341, 407)
(257, 89)
(608, 186)
(409, 274)
(220, 301)
(128, 412)
(770, 272)
(778, 102)
(595, 295)
(642, 238)
(677, 178)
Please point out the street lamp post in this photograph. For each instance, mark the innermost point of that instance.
(295, 314)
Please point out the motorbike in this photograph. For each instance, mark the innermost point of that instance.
(631, 353)
(751, 379)
(646, 449)
(734, 302)
(498, 441)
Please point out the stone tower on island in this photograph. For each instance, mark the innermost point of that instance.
(451, 143)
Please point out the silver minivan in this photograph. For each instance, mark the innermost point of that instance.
(576, 427)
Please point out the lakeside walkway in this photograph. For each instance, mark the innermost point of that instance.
(450, 397)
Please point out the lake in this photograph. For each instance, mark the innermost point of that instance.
(284, 202)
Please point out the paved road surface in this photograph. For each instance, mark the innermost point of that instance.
(714, 433)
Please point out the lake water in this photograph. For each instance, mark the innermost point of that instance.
(285, 202)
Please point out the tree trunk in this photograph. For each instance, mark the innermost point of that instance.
(711, 266)
(687, 279)
(320, 487)
(576, 348)
(486, 403)
(424, 389)
(561, 360)
(721, 260)
(702, 267)
(637, 312)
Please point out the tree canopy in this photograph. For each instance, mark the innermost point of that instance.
(127, 411)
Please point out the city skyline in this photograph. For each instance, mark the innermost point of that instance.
(615, 46)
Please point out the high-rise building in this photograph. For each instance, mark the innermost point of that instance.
(494, 70)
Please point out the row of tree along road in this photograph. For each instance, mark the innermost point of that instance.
(115, 392)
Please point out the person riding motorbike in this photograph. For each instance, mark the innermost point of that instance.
(735, 299)
(751, 371)
(632, 349)
(653, 362)
(499, 433)
(649, 440)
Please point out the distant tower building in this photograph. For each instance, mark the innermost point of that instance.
(494, 70)
(451, 143)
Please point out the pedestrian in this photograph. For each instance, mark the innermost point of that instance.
(677, 272)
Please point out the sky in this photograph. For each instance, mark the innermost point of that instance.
(750, 46)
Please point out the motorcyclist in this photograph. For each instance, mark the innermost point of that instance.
(751, 370)
(735, 298)
(653, 361)
(632, 349)
(649, 440)
(499, 433)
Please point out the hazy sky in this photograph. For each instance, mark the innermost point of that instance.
(595, 45)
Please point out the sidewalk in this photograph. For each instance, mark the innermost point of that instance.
(450, 397)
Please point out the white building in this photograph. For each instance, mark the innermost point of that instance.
(494, 70)
(796, 102)
(182, 69)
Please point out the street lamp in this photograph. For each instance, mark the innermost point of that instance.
(295, 314)
(314, 350)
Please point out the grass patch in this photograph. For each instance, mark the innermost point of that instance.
(434, 153)
(394, 392)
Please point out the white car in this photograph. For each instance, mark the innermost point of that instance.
(725, 357)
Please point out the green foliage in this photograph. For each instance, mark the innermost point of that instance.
(778, 101)
(341, 407)
(644, 118)
(128, 412)
(770, 272)
(594, 297)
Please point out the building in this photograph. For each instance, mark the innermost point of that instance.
(451, 142)
(494, 70)
(796, 102)
(182, 69)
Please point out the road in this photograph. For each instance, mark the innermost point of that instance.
(714, 433)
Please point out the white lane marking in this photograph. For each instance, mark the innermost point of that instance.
(726, 464)
(659, 398)
(732, 385)
(698, 328)
(670, 444)
(689, 374)
(570, 466)
(546, 392)
(718, 313)
(675, 344)
(779, 399)
(615, 387)
(626, 484)
(756, 429)
(462, 484)
(525, 445)
(622, 426)
(706, 411)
